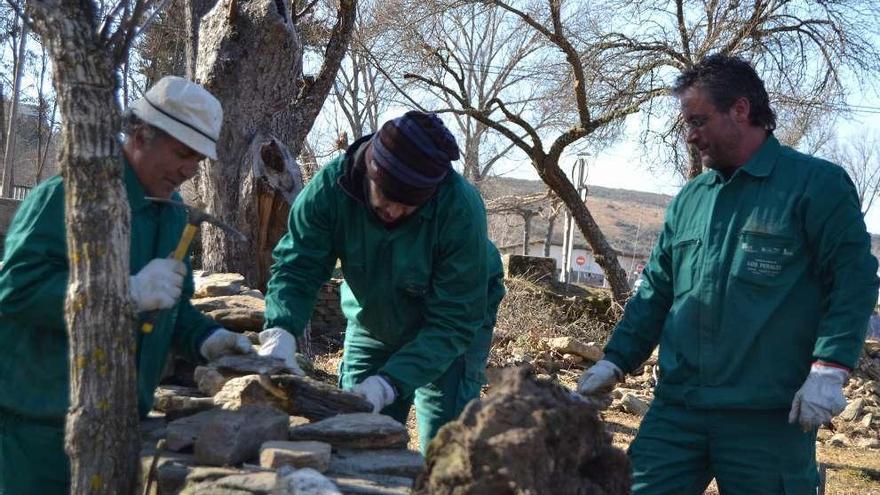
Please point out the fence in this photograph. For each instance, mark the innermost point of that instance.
(19, 192)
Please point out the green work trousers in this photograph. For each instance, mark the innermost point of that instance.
(679, 450)
(32, 458)
(437, 403)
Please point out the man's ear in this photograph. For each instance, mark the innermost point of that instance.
(740, 110)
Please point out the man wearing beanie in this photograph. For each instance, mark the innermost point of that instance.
(167, 132)
(422, 281)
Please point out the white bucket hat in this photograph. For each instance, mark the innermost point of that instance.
(185, 110)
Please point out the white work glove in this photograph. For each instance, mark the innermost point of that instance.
(377, 391)
(158, 284)
(278, 343)
(223, 342)
(597, 383)
(820, 398)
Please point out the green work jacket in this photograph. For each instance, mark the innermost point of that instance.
(33, 282)
(420, 288)
(752, 279)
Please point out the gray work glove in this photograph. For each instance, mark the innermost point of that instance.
(278, 343)
(158, 284)
(598, 381)
(377, 391)
(820, 398)
(223, 342)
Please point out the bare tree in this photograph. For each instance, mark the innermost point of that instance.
(250, 57)
(860, 157)
(801, 49)
(12, 126)
(607, 103)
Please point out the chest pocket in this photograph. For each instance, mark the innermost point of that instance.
(685, 264)
(764, 259)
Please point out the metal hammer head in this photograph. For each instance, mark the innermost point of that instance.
(197, 216)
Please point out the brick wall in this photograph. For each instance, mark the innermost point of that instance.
(327, 318)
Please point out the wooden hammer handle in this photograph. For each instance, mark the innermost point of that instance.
(189, 232)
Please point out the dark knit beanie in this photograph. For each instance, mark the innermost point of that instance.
(410, 156)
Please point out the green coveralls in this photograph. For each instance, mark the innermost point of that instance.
(33, 370)
(752, 279)
(420, 299)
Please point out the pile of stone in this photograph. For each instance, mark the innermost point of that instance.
(529, 435)
(859, 424)
(262, 431)
(243, 426)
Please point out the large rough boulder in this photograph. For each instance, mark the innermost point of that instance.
(526, 436)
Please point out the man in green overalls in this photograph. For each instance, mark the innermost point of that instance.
(758, 293)
(168, 131)
(422, 281)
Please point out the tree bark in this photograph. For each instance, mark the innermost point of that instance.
(194, 10)
(255, 173)
(101, 436)
(250, 58)
(548, 239)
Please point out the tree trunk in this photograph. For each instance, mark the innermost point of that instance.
(101, 435)
(527, 230)
(602, 251)
(250, 58)
(12, 128)
(194, 10)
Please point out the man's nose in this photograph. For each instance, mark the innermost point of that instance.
(691, 134)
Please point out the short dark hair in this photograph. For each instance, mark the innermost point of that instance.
(727, 79)
(130, 123)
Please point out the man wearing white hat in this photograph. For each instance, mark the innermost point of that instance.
(167, 132)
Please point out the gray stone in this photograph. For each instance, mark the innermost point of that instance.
(171, 469)
(570, 345)
(238, 313)
(866, 420)
(177, 402)
(357, 430)
(390, 462)
(248, 364)
(209, 380)
(853, 410)
(634, 405)
(209, 284)
(245, 390)
(373, 485)
(182, 433)
(231, 437)
(305, 481)
(253, 483)
(314, 455)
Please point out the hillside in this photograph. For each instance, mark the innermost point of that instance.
(631, 220)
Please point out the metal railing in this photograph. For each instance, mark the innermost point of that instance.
(19, 192)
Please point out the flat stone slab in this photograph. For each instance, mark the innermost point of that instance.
(182, 433)
(238, 313)
(248, 364)
(177, 402)
(354, 431)
(209, 284)
(304, 481)
(244, 390)
(256, 483)
(389, 462)
(570, 345)
(231, 437)
(373, 485)
(299, 455)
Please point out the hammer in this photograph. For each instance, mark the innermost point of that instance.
(195, 217)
